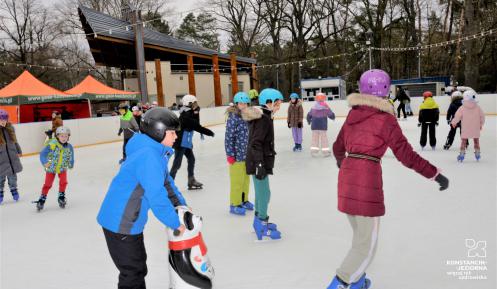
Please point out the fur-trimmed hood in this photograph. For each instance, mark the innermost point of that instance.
(371, 101)
(233, 109)
(10, 131)
(252, 113)
(299, 102)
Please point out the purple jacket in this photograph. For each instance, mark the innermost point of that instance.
(318, 116)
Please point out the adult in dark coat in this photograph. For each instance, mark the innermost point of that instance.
(403, 99)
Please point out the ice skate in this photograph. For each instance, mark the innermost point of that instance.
(237, 210)
(446, 147)
(477, 156)
(40, 203)
(1, 197)
(193, 184)
(460, 157)
(62, 200)
(15, 195)
(248, 206)
(261, 228)
(433, 148)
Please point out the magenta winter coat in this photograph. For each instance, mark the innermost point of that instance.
(370, 128)
(472, 119)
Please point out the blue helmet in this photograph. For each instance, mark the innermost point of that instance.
(241, 97)
(294, 96)
(269, 94)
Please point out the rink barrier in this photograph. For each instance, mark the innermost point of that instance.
(103, 130)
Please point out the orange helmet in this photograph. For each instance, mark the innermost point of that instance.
(320, 97)
(427, 94)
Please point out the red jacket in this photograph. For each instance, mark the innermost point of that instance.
(370, 128)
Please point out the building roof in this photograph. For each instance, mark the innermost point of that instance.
(28, 85)
(101, 23)
(92, 86)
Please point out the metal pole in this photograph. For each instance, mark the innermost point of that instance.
(277, 77)
(300, 79)
(370, 61)
(419, 63)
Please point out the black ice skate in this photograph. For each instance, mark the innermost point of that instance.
(193, 184)
(62, 200)
(40, 203)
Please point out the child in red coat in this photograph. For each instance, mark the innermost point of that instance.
(370, 128)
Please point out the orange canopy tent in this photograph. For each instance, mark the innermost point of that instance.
(27, 99)
(102, 97)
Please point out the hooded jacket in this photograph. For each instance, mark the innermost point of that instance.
(9, 151)
(318, 116)
(472, 119)
(295, 113)
(369, 129)
(60, 157)
(236, 135)
(260, 149)
(455, 104)
(128, 125)
(142, 183)
(429, 111)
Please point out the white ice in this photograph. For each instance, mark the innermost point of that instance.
(422, 229)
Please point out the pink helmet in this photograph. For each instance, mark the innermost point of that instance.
(375, 82)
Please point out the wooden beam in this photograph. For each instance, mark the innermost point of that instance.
(255, 80)
(217, 81)
(191, 76)
(158, 81)
(234, 76)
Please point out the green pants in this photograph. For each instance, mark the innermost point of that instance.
(262, 196)
(240, 184)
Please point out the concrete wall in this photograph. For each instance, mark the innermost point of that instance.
(100, 130)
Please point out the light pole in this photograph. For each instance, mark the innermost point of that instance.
(369, 36)
(419, 60)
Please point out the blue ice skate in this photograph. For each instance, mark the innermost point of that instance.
(460, 157)
(262, 229)
(248, 206)
(15, 195)
(237, 210)
(477, 156)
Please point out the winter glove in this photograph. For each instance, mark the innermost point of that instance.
(260, 172)
(436, 123)
(448, 122)
(339, 164)
(209, 133)
(442, 181)
(231, 160)
(299, 125)
(288, 125)
(419, 124)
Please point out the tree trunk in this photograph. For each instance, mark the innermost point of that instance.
(472, 62)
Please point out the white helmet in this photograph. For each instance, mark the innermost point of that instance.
(62, 129)
(188, 99)
(470, 95)
(456, 93)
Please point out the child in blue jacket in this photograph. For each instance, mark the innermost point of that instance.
(142, 183)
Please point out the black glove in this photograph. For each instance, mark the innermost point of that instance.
(299, 125)
(442, 181)
(419, 124)
(436, 123)
(288, 125)
(209, 132)
(260, 171)
(449, 122)
(339, 164)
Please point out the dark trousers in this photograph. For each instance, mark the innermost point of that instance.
(178, 159)
(425, 127)
(124, 147)
(130, 258)
(402, 107)
(452, 135)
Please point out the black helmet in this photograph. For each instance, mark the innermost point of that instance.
(156, 121)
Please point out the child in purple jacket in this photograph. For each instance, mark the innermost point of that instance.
(318, 119)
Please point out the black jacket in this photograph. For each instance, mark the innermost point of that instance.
(190, 121)
(429, 115)
(260, 149)
(454, 106)
(402, 96)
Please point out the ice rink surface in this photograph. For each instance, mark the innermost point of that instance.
(422, 236)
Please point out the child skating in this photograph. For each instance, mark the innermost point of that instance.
(260, 157)
(472, 119)
(317, 117)
(295, 120)
(428, 120)
(10, 163)
(455, 104)
(57, 157)
(369, 130)
(235, 144)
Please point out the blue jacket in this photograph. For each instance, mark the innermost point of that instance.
(142, 183)
(236, 136)
(60, 157)
(318, 116)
